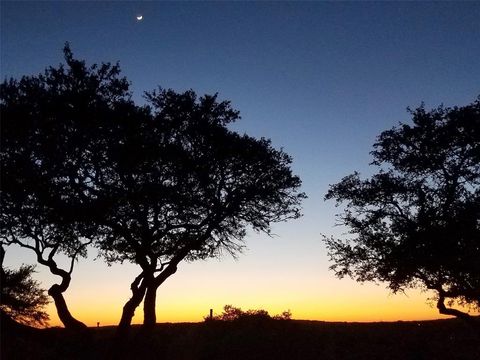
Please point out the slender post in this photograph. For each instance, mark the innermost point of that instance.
(211, 314)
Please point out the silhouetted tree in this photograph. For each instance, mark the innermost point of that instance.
(416, 222)
(188, 188)
(152, 185)
(21, 297)
(51, 153)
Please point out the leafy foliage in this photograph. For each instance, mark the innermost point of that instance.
(50, 152)
(231, 313)
(184, 179)
(416, 222)
(183, 186)
(21, 297)
(152, 185)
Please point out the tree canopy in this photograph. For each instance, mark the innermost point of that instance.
(187, 187)
(153, 185)
(416, 222)
(21, 297)
(50, 153)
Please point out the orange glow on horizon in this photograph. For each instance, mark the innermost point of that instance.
(286, 281)
(194, 309)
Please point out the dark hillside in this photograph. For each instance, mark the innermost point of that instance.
(263, 339)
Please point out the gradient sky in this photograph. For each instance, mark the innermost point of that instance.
(321, 79)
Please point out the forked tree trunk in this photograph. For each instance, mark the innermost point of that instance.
(149, 315)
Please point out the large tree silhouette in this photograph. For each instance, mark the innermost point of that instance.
(416, 222)
(185, 187)
(50, 156)
(153, 185)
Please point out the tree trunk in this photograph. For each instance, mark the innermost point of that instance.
(442, 309)
(138, 288)
(62, 310)
(149, 315)
(2, 255)
(57, 290)
(474, 322)
(129, 311)
(119, 343)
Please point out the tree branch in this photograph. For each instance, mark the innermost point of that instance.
(79, 249)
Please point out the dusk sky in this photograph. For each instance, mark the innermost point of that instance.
(321, 79)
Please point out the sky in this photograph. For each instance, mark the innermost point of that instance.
(321, 79)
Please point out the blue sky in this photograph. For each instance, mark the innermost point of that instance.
(321, 79)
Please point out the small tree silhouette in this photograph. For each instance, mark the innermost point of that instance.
(21, 297)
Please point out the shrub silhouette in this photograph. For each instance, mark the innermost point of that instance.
(232, 313)
(21, 297)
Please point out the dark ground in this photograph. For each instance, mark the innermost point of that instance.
(253, 339)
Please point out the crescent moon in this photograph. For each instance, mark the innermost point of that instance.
(139, 17)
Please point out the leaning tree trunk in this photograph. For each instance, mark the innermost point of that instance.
(138, 288)
(56, 292)
(119, 342)
(442, 309)
(474, 322)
